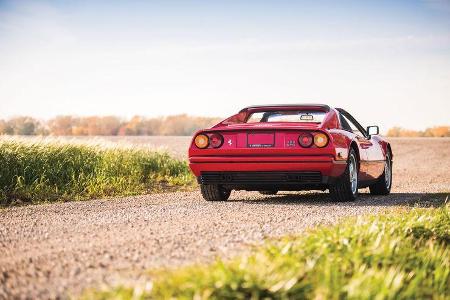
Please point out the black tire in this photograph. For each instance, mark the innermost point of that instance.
(274, 192)
(343, 190)
(214, 192)
(384, 182)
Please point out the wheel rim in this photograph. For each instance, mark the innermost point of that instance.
(387, 172)
(353, 173)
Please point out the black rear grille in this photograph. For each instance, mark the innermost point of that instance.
(260, 178)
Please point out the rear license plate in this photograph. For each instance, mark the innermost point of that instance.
(260, 140)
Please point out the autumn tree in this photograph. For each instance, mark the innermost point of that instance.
(22, 126)
(185, 124)
(62, 125)
(439, 131)
(6, 128)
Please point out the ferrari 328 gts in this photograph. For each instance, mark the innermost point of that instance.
(273, 148)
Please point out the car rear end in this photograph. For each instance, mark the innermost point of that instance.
(265, 155)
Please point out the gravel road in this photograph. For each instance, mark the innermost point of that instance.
(57, 250)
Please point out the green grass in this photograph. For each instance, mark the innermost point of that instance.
(35, 172)
(399, 255)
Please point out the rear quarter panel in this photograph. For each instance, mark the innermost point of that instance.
(341, 140)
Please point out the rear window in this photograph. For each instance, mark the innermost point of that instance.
(287, 116)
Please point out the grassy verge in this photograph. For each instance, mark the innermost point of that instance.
(400, 255)
(34, 172)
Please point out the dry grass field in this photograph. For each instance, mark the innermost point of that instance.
(55, 250)
(49, 170)
(421, 165)
(177, 146)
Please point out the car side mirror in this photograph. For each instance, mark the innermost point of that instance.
(373, 130)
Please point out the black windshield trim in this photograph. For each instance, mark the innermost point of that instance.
(353, 120)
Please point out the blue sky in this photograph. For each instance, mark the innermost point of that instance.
(388, 62)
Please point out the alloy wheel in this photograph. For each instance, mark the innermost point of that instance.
(388, 172)
(353, 174)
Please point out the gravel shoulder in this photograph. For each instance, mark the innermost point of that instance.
(57, 250)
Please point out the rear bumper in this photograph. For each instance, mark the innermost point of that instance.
(260, 177)
(283, 167)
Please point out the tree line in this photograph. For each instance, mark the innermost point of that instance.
(437, 131)
(138, 125)
(105, 125)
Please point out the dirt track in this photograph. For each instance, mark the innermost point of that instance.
(58, 249)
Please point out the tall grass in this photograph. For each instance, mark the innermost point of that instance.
(53, 171)
(396, 256)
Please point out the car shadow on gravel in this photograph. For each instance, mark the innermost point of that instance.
(365, 199)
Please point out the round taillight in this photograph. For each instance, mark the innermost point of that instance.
(215, 140)
(201, 141)
(305, 140)
(320, 140)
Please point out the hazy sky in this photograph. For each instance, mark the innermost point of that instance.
(387, 62)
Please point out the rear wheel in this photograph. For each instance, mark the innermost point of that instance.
(272, 192)
(214, 192)
(383, 184)
(346, 187)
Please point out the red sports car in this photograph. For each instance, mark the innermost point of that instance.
(273, 148)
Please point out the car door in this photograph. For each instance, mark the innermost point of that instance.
(372, 158)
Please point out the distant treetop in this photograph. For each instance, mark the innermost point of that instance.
(438, 131)
(106, 126)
